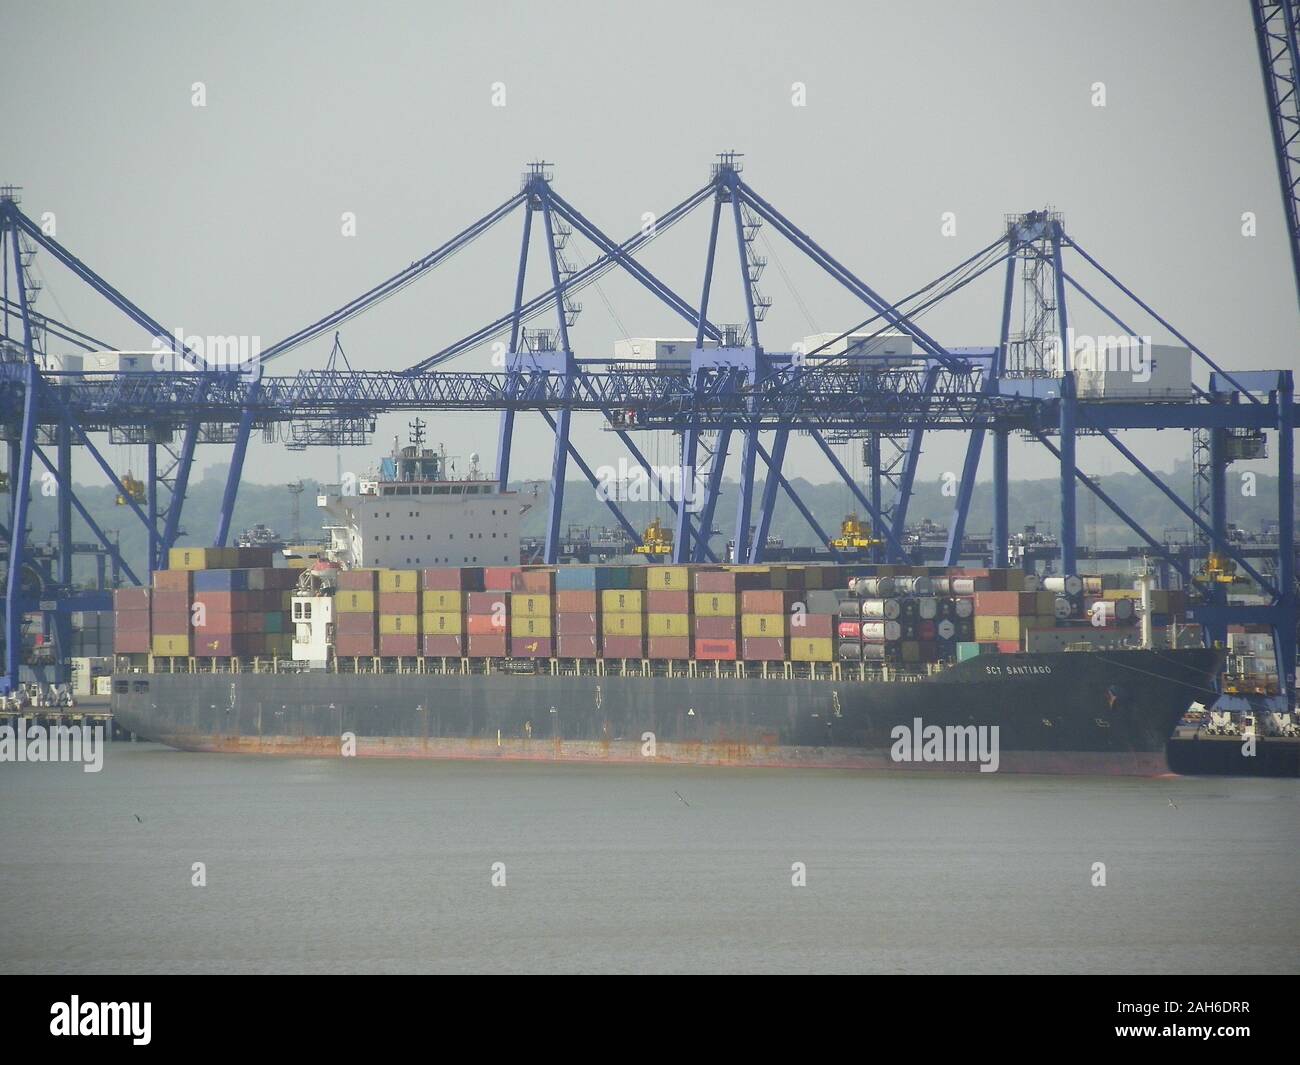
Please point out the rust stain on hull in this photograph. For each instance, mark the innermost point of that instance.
(697, 753)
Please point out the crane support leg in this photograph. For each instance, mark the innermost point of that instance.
(768, 503)
(20, 486)
(1001, 501)
(1284, 635)
(236, 470)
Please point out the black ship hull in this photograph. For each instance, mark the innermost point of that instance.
(1075, 712)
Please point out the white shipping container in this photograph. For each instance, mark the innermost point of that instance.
(72, 363)
(1155, 372)
(888, 348)
(657, 349)
(114, 362)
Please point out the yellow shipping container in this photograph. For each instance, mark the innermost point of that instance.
(354, 602)
(442, 602)
(992, 628)
(668, 624)
(762, 625)
(399, 624)
(443, 623)
(615, 624)
(399, 580)
(715, 604)
(527, 605)
(668, 578)
(171, 646)
(1125, 593)
(811, 649)
(193, 558)
(530, 626)
(622, 601)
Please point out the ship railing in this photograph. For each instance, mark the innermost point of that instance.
(780, 670)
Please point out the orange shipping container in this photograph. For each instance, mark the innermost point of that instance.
(486, 624)
(715, 650)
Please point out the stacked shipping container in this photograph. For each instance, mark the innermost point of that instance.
(876, 613)
(214, 602)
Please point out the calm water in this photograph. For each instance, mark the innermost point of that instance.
(325, 866)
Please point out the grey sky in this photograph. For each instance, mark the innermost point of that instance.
(226, 219)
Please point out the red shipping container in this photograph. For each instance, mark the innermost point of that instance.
(131, 621)
(169, 601)
(175, 580)
(399, 602)
(358, 580)
(392, 645)
(355, 624)
(131, 643)
(577, 646)
(715, 650)
(814, 627)
(666, 602)
(355, 646)
(717, 628)
(443, 646)
(669, 646)
(485, 625)
(534, 581)
(463, 579)
(624, 647)
(131, 600)
(925, 630)
(771, 602)
(173, 624)
(577, 625)
(1008, 604)
(532, 646)
(848, 630)
(213, 602)
(1008, 647)
(223, 645)
(486, 603)
(714, 581)
(576, 602)
(227, 623)
(727, 581)
(763, 648)
(499, 578)
(483, 646)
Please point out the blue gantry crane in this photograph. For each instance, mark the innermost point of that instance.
(732, 387)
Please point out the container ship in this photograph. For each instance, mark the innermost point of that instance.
(420, 636)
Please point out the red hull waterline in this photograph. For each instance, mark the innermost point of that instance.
(628, 752)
